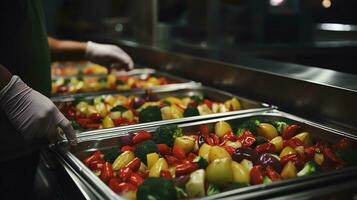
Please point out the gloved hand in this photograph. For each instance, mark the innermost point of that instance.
(108, 55)
(33, 114)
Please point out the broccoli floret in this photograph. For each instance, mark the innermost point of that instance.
(190, 112)
(150, 114)
(156, 189)
(309, 168)
(250, 125)
(213, 189)
(202, 163)
(111, 155)
(76, 126)
(167, 134)
(145, 148)
(280, 126)
(66, 81)
(102, 80)
(198, 98)
(119, 109)
(119, 82)
(181, 194)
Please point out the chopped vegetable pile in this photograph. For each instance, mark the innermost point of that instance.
(109, 111)
(175, 163)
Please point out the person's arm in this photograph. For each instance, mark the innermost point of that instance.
(104, 54)
(31, 113)
(5, 77)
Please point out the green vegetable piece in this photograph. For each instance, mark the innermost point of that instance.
(198, 98)
(156, 188)
(348, 155)
(191, 112)
(102, 80)
(145, 148)
(119, 109)
(88, 101)
(280, 126)
(150, 114)
(76, 126)
(309, 168)
(111, 155)
(250, 125)
(213, 189)
(180, 193)
(166, 134)
(80, 77)
(66, 81)
(260, 140)
(202, 163)
(119, 82)
(267, 180)
(236, 186)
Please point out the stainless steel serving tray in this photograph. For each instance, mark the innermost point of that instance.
(210, 93)
(90, 143)
(141, 72)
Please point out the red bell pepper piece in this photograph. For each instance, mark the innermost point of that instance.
(125, 173)
(293, 143)
(166, 174)
(93, 157)
(344, 143)
(266, 147)
(257, 174)
(208, 139)
(186, 168)
(172, 160)
(95, 117)
(309, 153)
(229, 149)
(134, 165)
(289, 131)
(164, 149)
(191, 156)
(120, 121)
(136, 179)
(295, 158)
(247, 139)
(331, 156)
(106, 172)
(208, 103)
(204, 129)
(178, 153)
(215, 138)
(141, 136)
(121, 187)
(127, 148)
(96, 165)
(229, 136)
(272, 174)
(70, 114)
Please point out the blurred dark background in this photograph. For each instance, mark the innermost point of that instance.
(320, 33)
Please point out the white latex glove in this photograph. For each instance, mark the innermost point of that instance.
(33, 114)
(108, 55)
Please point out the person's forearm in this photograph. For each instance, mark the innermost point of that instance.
(5, 76)
(67, 50)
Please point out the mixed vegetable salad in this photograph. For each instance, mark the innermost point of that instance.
(176, 163)
(109, 111)
(109, 82)
(74, 68)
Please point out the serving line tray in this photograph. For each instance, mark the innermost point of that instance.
(90, 143)
(142, 73)
(247, 105)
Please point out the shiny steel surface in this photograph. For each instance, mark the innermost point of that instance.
(319, 94)
(213, 94)
(90, 144)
